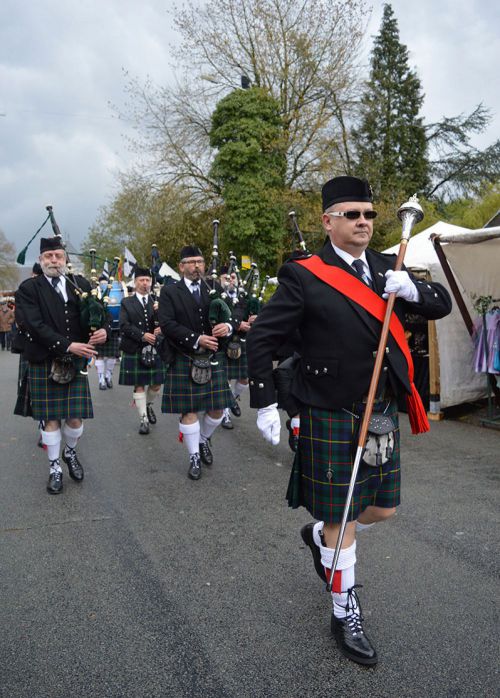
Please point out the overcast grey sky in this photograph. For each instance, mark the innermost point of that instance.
(61, 63)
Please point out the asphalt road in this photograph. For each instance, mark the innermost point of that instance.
(141, 583)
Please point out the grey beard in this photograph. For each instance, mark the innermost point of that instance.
(51, 272)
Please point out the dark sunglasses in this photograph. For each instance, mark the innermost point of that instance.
(354, 215)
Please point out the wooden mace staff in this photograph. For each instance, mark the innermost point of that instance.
(409, 214)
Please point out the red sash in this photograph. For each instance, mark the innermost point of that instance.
(363, 295)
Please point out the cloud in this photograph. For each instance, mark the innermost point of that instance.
(61, 65)
(62, 62)
(453, 47)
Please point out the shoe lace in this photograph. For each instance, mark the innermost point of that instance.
(56, 473)
(70, 454)
(195, 460)
(354, 618)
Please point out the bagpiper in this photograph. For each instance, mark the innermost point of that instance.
(196, 381)
(141, 365)
(57, 347)
(109, 352)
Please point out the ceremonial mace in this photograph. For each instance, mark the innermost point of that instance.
(409, 214)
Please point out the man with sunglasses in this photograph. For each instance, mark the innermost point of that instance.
(339, 338)
(184, 321)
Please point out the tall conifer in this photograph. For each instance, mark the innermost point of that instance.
(390, 143)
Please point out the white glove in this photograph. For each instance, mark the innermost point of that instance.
(269, 424)
(399, 282)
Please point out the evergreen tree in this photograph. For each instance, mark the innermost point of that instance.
(249, 169)
(390, 143)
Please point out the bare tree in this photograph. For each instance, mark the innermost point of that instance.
(9, 274)
(303, 53)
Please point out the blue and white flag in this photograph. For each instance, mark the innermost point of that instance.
(129, 262)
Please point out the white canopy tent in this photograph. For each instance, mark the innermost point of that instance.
(474, 258)
(166, 270)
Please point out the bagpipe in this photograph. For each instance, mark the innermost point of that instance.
(92, 311)
(93, 314)
(219, 310)
(149, 352)
(248, 299)
(301, 251)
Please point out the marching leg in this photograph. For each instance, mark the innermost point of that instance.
(347, 621)
(140, 403)
(52, 441)
(151, 394)
(99, 364)
(226, 419)
(109, 364)
(71, 435)
(191, 437)
(208, 426)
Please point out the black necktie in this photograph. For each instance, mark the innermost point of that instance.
(196, 292)
(55, 283)
(359, 268)
(145, 306)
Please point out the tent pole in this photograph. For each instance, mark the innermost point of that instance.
(453, 284)
(435, 412)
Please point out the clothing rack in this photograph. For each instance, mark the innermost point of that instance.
(493, 412)
(493, 391)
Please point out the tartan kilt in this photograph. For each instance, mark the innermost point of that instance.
(111, 348)
(181, 394)
(238, 368)
(23, 403)
(326, 442)
(51, 400)
(132, 372)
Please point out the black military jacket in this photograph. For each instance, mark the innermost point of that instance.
(182, 320)
(135, 320)
(338, 338)
(48, 324)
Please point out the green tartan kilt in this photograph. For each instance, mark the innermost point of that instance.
(51, 400)
(327, 443)
(111, 348)
(132, 372)
(238, 368)
(182, 395)
(23, 402)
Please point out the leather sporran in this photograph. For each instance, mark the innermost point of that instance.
(233, 349)
(62, 370)
(380, 441)
(148, 356)
(201, 370)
